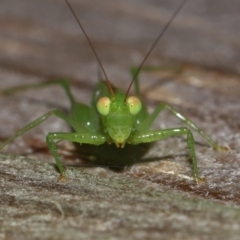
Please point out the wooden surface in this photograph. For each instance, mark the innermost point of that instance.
(157, 200)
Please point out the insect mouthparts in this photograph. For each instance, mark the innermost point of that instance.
(120, 145)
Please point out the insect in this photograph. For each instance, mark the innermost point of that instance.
(114, 117)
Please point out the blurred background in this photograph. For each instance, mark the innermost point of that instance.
(42, 37)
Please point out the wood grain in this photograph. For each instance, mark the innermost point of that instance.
(157, 200)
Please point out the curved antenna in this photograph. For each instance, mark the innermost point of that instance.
(155, 43)
(90, 43)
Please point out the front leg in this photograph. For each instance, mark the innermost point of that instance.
(89, 138)
(35, 123)
(149, 121)
(174, 69)
(151, 136)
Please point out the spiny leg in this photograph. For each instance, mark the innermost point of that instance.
(186, 120)
(64, 83)
(33, 124)
(150, 136)
(89, 138)
(133, 71)
(148, 123)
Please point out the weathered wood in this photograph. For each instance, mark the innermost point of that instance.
(40, 39)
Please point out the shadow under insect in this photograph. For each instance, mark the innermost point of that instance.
(108, 155)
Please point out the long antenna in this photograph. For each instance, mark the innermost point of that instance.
(155, 43)
(90, 43)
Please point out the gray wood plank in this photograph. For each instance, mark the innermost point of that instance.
(157, 200)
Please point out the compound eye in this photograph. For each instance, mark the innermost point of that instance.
(103, 106)
(134, 104)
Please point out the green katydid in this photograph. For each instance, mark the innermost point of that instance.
(114, 117)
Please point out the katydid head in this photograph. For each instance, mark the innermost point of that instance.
(119, 112)
(119, 117)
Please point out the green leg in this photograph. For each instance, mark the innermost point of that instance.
(89, 138)
(149, 121)
(150, 136)
(33, 124)
(133, 71)
(64, 83)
